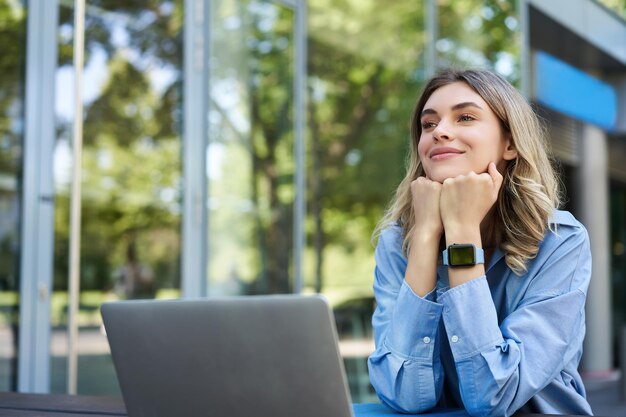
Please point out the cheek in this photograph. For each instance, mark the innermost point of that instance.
(422, 147)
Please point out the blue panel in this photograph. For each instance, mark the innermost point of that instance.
(570, 91)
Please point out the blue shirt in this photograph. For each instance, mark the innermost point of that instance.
(494, 345)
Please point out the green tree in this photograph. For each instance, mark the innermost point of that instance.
(480, 34)
(366, 68)
(131, 165)
(12, 68)
(13, 41)
(272, 143)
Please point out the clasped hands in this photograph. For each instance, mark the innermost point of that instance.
(459, 204)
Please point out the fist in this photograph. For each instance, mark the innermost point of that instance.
(466, 199)
(425, 200)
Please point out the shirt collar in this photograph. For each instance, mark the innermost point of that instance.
(561, 217)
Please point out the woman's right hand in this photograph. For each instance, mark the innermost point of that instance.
(425, 195)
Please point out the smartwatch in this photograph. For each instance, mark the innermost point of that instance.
(463, 254)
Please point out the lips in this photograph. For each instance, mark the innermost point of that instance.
(444, 153)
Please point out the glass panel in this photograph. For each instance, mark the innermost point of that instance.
(130, 244)
(366, 67)
(13, 46)
(480, 33)
(250, 152)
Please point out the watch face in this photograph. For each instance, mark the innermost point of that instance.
(461, 255)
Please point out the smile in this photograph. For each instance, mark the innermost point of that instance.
(444, 156)
(443, 153)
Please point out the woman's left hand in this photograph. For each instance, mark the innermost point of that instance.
(466, 199)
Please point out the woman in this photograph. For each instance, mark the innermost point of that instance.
(496, 323)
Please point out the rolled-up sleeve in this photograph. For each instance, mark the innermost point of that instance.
(405, 369)
(501, 366)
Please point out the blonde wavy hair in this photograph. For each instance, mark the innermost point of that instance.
(531, 189)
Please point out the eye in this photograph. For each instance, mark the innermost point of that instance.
(428, 125)
(466, 118)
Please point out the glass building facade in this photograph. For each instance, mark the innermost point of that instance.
(207, 173)
(12, 83)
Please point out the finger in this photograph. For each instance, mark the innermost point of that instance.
(447, 182)
(495, 174)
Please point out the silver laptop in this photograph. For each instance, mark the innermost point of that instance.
(273, 356)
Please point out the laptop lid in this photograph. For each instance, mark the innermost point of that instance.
(242, 356)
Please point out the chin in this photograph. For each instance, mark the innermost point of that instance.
(440, 177)
(442, 173)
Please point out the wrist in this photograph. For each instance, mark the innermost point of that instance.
(463, 234)
(424, 238)
(421, 270)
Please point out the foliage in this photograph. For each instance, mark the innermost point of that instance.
(366, 68)
(12, 60)
(480, 33)
(131, 156)
(618, 6)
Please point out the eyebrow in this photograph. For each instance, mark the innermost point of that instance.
(455, 107)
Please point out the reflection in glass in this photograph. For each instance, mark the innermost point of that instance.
(366, 67)
(13, 46)
(130, 243)
(250, 160)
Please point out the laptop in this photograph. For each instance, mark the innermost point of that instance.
(265, 356)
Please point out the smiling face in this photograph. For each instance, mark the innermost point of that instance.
(460, 133)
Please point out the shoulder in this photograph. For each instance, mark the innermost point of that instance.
(391, 235)
(565, 218)
(564, 257)
(390, 242)
(564, 227)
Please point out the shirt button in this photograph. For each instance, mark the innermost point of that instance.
(426, 340)
(454, 339)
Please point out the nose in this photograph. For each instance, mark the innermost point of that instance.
(441, 132)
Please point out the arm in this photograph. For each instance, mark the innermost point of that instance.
(465, 203)
(501, 367)
(405, 368)
(421, 271)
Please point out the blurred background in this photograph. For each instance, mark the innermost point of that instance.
(238, 147)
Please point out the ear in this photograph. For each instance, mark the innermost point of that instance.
(510, 152)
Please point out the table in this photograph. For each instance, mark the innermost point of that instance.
(379, 410)
(52, 405)
(56, 405)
